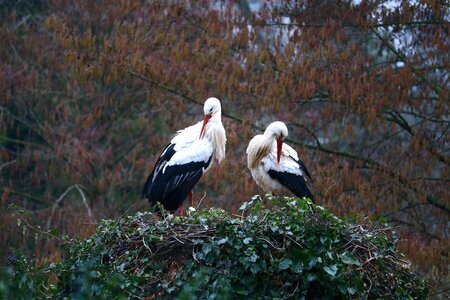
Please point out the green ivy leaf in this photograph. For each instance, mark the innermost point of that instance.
(243, 206)
(332, 270)
(206, 249)
(312, 262)
(352, 290)
(285, 264)
(297, 267)
(253, 257)
(349, 259)
(311, 277)
(257, 267)
(222, 241)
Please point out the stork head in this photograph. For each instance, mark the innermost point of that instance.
(279, 132)
(211, 108)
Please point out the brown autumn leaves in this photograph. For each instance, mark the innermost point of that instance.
(92, 91)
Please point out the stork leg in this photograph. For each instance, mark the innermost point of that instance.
(191, 199)
(217, 171)
(182, 209)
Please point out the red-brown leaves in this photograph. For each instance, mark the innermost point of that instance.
(333, 70)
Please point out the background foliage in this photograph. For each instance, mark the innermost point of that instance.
(92, 91)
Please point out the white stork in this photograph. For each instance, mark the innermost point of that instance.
(275, 166)
(189, 154)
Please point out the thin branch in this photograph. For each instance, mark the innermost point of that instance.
(33, 129)
(84, 201)
(7, 164)
(442, 291)
(16, 141)
(397, 118)
(37, 228)
(428, 118)
(28, 196)
(346, 25)
(30, 127)
(417, 226)
(182, 95)
(201, 200)
(309, 131)
(61, 198)
(375, 144)
(430, 179)
(401, 57)
(394, 116)
(403, 209)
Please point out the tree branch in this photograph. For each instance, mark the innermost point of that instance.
(401, 57)
(348, 25)
(28, 196)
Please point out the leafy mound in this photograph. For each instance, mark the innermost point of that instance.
(294, 249)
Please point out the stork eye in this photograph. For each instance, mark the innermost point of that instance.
(210, 111)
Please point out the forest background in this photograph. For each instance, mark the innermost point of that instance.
(92, 91)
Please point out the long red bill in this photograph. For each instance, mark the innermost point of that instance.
(205, 121)
(279, 146)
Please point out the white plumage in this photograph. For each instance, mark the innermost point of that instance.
(190, 154)
(275, 166)
(189, 149)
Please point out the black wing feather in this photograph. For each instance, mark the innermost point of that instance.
(294, 182)
(302, 165)
(172, 186)
(166, 155)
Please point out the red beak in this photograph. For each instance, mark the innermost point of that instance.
(205, 121)
(279, 146)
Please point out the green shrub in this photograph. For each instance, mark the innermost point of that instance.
(293, 249)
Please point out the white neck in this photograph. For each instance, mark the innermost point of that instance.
(261, 148)
(215, 132)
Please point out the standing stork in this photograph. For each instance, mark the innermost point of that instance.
(274, 165)
(189, 154)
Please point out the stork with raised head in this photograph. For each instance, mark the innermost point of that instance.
(188, 156)
(275, 166)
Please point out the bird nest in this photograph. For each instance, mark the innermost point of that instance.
(307, 242)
